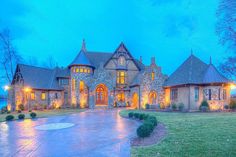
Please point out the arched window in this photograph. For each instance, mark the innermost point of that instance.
(152, 98)
(153, 76)
(121, 60)
(101, 95)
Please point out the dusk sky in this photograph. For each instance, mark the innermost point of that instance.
(166, 29)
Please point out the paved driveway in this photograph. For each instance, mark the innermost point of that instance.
(95, 133)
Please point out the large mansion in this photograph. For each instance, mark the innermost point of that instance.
(96, 79)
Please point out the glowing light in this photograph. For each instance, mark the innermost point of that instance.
(27, 89)
(232, 86)
(6, 87)
(8, 107)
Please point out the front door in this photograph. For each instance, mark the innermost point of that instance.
(101, 95)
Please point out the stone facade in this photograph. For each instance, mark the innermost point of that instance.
(107, 80)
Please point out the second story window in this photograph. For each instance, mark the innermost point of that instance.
(153, 76)
(121, 60)
(224, 94)
(73, 84)
(120, 78)
(209, 94)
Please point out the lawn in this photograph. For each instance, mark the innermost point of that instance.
(44, 113)
(193, 134)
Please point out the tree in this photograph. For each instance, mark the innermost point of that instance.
(226, 30)
(9, 57)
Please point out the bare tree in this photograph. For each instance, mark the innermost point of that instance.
(50, 62)
(9, 57)
(226, 30)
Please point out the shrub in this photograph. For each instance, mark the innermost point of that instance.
(141, 116)
(181, 107)
(21, 107)
(204, 106)
(143, 131)
(131, 114)
(149, 124)
(145, 116)
(33, 114)
(136, 115)
(9, 117)
(21, 116)
(147, 106)
(174, 107)
(232, 104)
(152, 119)
(226, 107)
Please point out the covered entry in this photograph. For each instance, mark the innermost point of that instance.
(152, 98)
(101, 95)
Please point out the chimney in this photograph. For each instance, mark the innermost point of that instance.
(141, 59)
(153, 62)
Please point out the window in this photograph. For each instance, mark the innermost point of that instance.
(209, 94)
(77, 70)
(153, 76)
(196, 93)
(120, 77)
(85, 70)
(121, 60)
(88, 70)
(174, 94)
(224, 94)
(56, 95)
(121, 97)
(73, 84)
(81, 86)
(63, 81)
(32, 95)
(219, 94)
(81, 70)
(43, 95)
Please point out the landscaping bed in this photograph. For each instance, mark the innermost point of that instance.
(150, 132)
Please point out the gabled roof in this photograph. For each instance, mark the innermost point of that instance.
(195, 71)
(122, 48)
(97, 58)
(39, 78)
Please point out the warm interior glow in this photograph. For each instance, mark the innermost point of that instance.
(27, 89)
(232, 86)
(8, 107)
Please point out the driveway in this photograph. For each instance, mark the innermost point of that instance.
(94, 133)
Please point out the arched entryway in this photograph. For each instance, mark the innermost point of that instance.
(152, 98)
(135, 100)
(101, 95)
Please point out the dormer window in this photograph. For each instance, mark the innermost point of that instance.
(121, 60)
(120, 77)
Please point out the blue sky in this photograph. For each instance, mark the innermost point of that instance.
(166, 29)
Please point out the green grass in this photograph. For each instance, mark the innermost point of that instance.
(44, 113)
(193, 134)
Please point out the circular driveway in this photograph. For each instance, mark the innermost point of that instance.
(94, 133)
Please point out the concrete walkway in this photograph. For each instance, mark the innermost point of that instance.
(95, 133)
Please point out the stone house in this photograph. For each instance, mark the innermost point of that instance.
(101, 79)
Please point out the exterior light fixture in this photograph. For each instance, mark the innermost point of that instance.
(232, 86)
(6, 87)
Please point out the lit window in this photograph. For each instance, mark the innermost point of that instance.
(196, 93)
(81, 86)
(73, 84)
(43, 95)
(85, 70)
(32, 95)
(121, 97)
(120, 77)
(121, 60)
(174, 94)
(153, 76)
(81, 70)
(77, 70)
(224, 94)
(88, 70)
